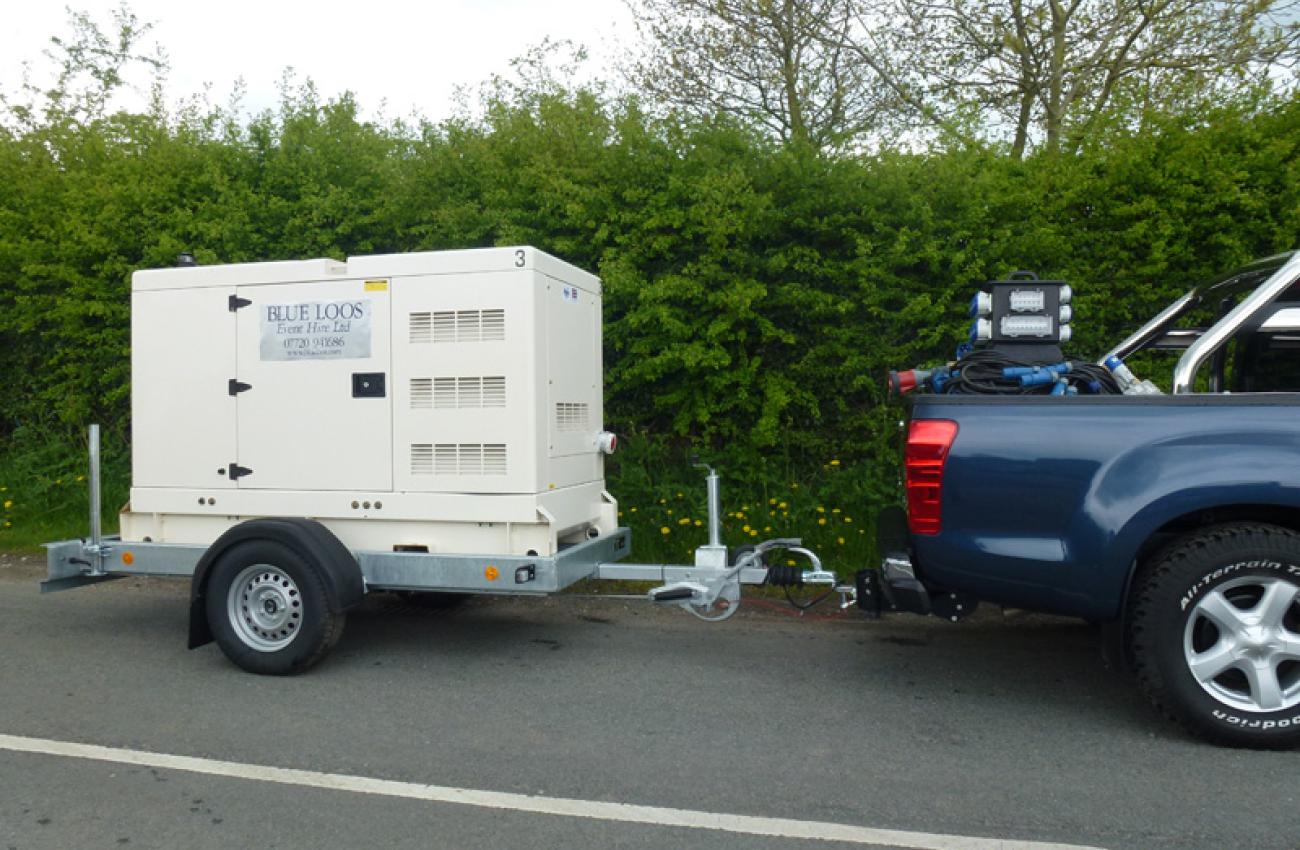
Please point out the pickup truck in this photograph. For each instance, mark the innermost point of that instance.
(1172, 520)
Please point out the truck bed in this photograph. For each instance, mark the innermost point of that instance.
(1046, 502)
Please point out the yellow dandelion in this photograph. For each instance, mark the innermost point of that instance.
(753, 533)
(860, 531)
(767, 528)
(821, 520)
(839, 540)
(771, 501)
(783, 506)
(789, 562)
(745, 528)
(81, 478)
(848, 519)
(665, 530)
(684, 521)
(698, 523)
(58, 481)
(794, 485)
(679, 495)
(836, 510)
(820, 509)
(663, 501)
(620, 513)
(835, 463)
(9, 503)
(8, 524)
(633, 510)
(670, 512)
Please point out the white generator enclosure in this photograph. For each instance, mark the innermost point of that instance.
(442, 402)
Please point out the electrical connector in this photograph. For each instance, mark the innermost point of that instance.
(902, 383)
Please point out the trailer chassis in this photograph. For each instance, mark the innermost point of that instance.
(709, 588)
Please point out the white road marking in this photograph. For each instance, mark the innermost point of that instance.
(590, 809)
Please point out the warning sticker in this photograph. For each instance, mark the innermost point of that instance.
(316, 330)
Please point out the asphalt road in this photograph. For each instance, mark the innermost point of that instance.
(996, 728)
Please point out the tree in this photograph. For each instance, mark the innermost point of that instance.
(782, 65)
(92, 66)
(1054, 71)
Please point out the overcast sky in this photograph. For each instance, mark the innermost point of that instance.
(411, 54)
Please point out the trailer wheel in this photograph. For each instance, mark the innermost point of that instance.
(269, 609)
(1215, 634)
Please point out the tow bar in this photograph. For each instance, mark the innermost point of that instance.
(710, 589)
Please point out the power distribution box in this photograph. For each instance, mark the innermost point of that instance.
(440, 401)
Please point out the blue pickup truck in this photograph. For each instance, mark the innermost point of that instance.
(1173, 520)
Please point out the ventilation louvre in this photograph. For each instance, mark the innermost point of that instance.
(493, 326)
(458, 459)
(494, 459)
(494, 391)
(570, 416)
(446, 393)
(445, 459)
(421, 327)
(459, 326)
(421, 459)
(444, 326)
(469, 392)
(421, 393)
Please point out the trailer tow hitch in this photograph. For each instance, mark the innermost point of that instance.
(711, 588)
(713, 593)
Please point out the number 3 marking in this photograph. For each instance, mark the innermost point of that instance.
(519, 258)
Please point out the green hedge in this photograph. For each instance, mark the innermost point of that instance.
(755, 295)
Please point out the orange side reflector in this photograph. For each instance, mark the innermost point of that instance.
(491, 573)
(128, 558)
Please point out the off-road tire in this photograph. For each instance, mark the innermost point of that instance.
(1168, 593)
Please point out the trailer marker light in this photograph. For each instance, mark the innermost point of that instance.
(491, 573)
(128, 558)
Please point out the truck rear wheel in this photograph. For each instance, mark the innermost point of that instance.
(1215, 634)
(269, 609)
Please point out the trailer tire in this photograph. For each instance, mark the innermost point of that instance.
(1215, 634)
(269, 608)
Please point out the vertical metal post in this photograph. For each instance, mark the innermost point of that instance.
(715, 509)
(96, 533)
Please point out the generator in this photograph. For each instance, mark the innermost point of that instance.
(306, 433)
(434, 402)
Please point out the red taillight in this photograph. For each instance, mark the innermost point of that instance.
(928, 442)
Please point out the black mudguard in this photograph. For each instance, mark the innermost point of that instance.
(338, 568)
